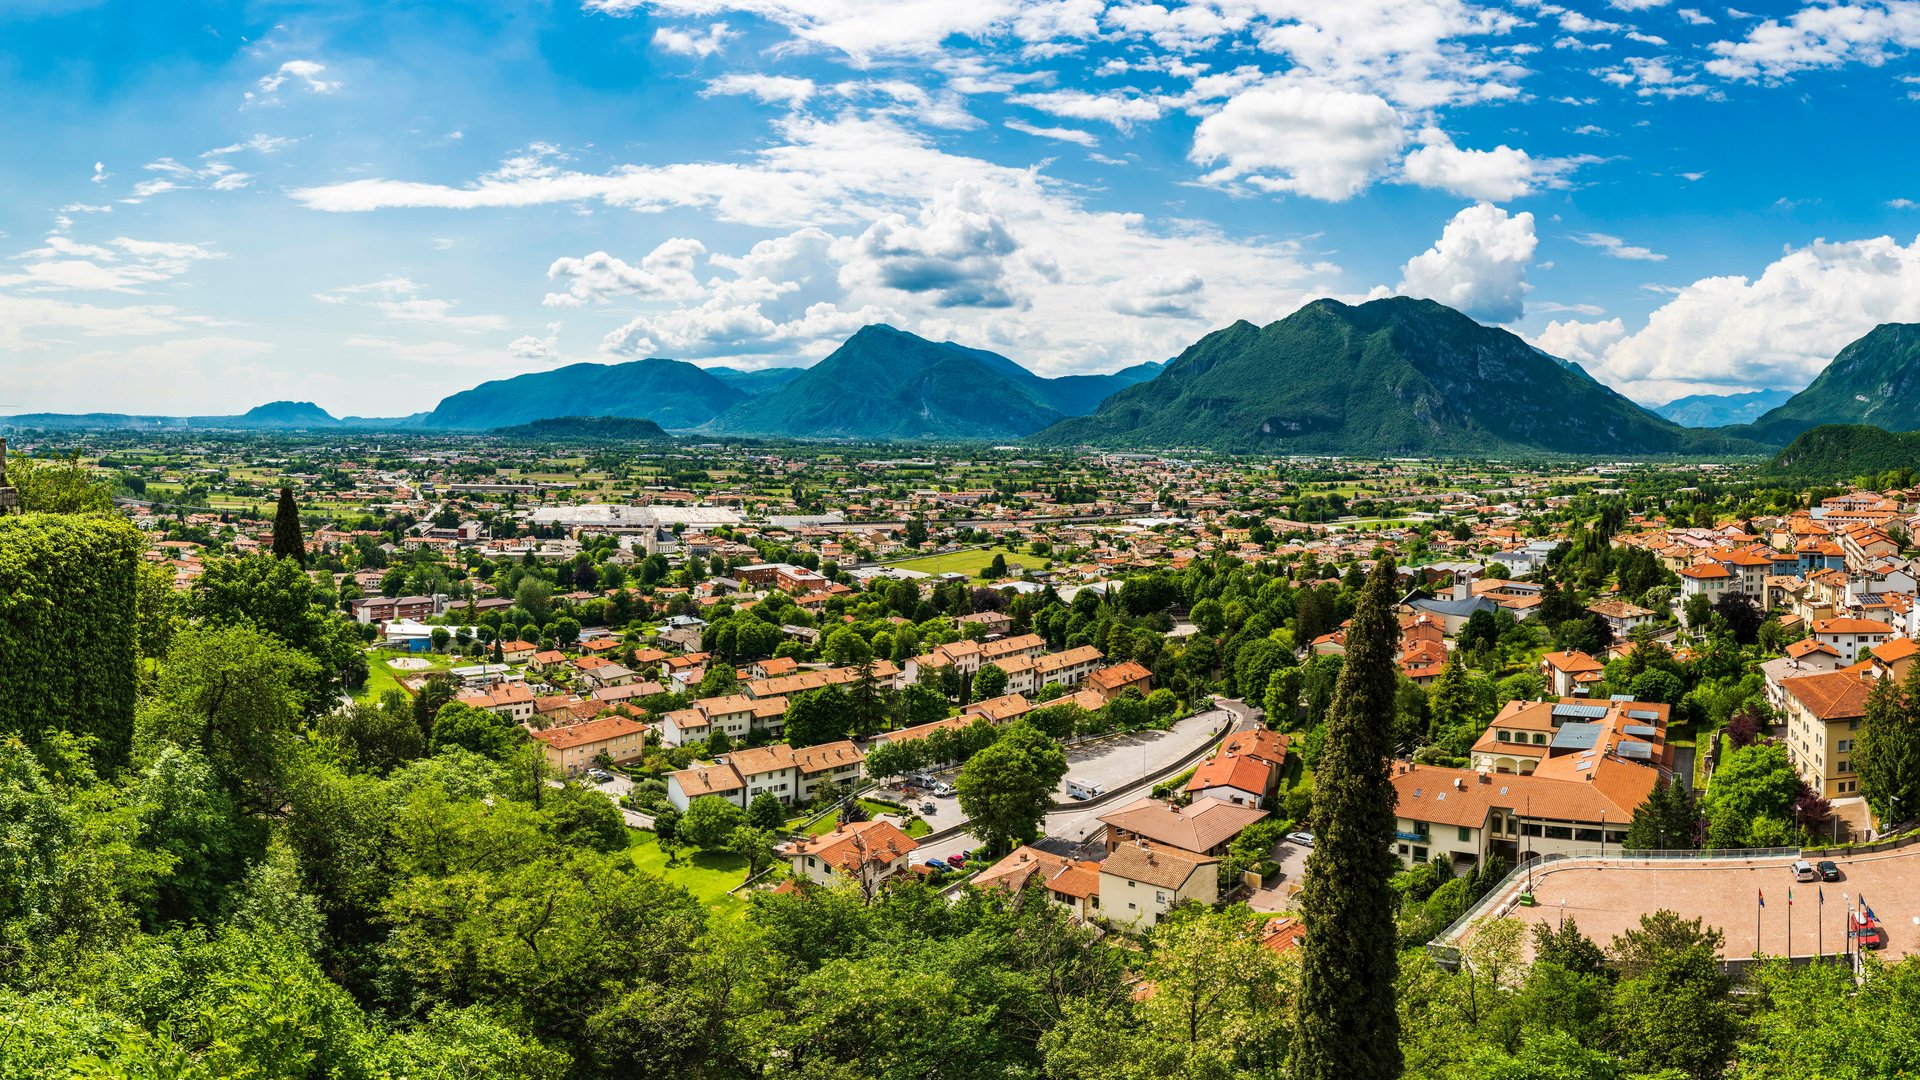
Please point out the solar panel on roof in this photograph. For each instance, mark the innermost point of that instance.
(1640, 729)
(1592, 712)
(1576, 735)
(1635, 750)
(1621, 697)
(1643, 714)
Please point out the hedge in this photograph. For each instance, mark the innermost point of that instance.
(67, 628)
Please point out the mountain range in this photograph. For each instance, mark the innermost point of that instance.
(1390, 376)
(885, 383)
(1719, 410)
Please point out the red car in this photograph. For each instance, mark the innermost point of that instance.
(1867, 933)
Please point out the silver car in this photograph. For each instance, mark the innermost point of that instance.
(1804, 871)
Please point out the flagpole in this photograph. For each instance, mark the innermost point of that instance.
(1760, 905)
(1819, 911)
(1789, 926)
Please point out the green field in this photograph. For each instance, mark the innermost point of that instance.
(381, 678)
(706, 874)
(969, 562)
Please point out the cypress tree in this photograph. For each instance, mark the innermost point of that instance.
(1349, 1029)
(288, 541)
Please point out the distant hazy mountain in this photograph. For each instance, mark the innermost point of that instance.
(756, 382)
(587, 429)
(1875, 380)
(273, 416)
(885, 383)
(1397, 375)
(1719, 410)
(672, 393)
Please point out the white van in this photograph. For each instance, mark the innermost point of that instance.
(1083, 789)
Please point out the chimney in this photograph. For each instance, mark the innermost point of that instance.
(1485, 778)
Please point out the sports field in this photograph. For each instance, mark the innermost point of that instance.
(969, 562)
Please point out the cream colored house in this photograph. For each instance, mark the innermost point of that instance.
(1823, 719)
(1141, 881)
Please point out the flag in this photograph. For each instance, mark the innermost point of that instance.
(1820, 896)
(1868, 910)
(1763, 896)
(1789, 896)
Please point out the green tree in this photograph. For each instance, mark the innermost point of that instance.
(1348, 1026)
(989, 682)
(753, 845)
(1007, 787)
(1886, 748)
(279, 597)
(767, 812)
(818, 716)
(234, 694)
(709, 821)
(1668, 818)
(289, 540)
(1670, 1008)
(62, 485)
(475, 729)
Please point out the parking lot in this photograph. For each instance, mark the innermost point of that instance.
(1607, 896)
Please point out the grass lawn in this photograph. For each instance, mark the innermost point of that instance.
(917, 828)
(706, 874)
(970, 562)
(382, 678)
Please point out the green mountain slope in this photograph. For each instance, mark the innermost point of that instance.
(1390, 376)
(672, 393)
(1834, 452)
(587, 429)
(885, 383)
(758, 381)
(1875, 380)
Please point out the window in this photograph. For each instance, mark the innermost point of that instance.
(1505, 736)
(1160, 898)
(1420, 853)
(1539, 738)
(1466, 834)
(1559, 832)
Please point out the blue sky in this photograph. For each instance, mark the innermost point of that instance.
(211, 205)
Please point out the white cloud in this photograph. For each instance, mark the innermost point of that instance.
(1161, 295)
(1616, 248)
(1902, 204)
(1820, 35)
(864, 29)
(821, 183)
(537, 350)
(398, 299)
(1778, 329)
(100, 172)
(1495, 175)
(1575, 23)
(1121, 109)
(263, 144)
(1693, 17)
(954, 252)
(684, 43)
(306, 71)
(666, 272)
(1582, 342)
(1637, 5)
(1324, 144)
(767, 89)
(123, 265)
(1479, 264)
(1060, 134)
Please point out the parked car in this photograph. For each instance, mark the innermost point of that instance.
(958, 862)
(1867, 934)
(599, 776)
(1829, 870)
(928, 808)
(1304, 839)
(1804, 871)
(943, 789)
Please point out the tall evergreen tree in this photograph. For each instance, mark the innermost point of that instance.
(1886, 749)
(1349, 1029)
(1669, 818)
(288, 540)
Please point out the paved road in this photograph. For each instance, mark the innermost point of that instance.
(1075, 823)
